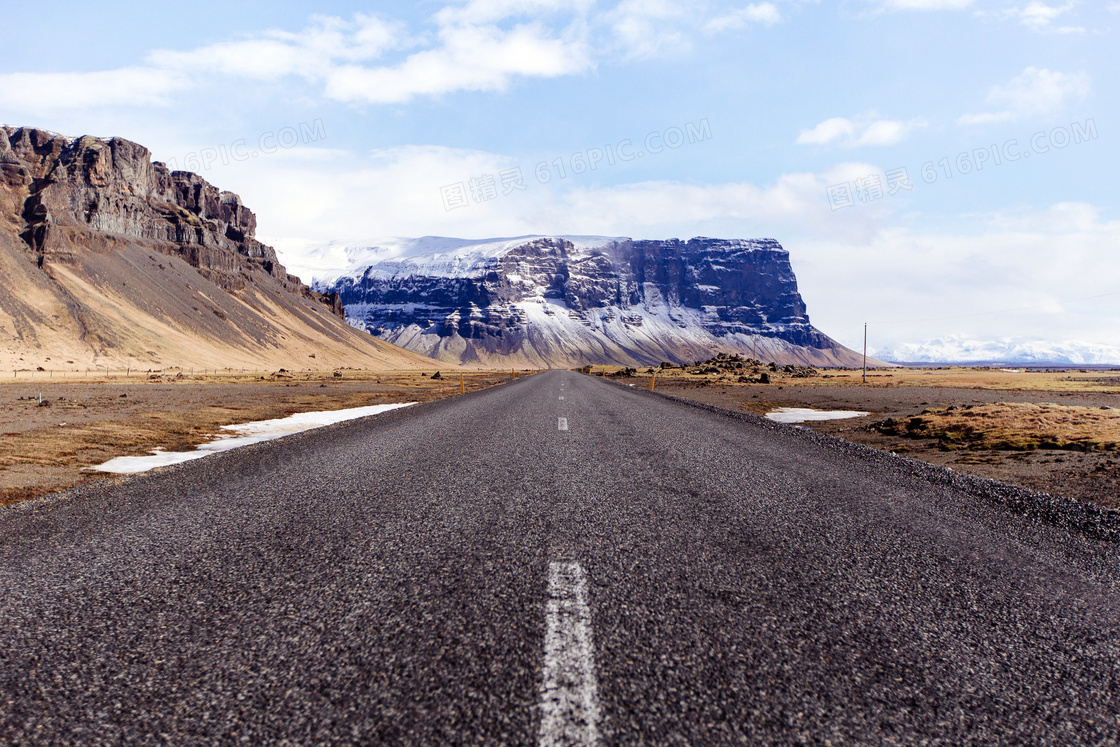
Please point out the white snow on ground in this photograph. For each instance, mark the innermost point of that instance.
(242, 435)
(801, 414)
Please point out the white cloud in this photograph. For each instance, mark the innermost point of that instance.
(994, 276)
(1034, 93)
(471, 58)
(470, 51)
(987, 282)
(1039, 16)
(491, 11)
(956, 348)
(865, 130)
(926, 4)
(277, 54)
(467, 56)
(760, 13)
(645, 28)
(50, 92)
(480, 45)
(333, 200)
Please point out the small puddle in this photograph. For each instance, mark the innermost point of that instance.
(242, 435)
(802, 414)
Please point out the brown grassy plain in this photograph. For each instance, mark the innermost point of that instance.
(44, 449)
(1042, 429)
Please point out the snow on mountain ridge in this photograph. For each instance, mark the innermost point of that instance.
(441, 256)
(560, 300)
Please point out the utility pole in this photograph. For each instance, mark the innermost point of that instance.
(865, 352)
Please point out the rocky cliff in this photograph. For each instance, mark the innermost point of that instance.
(551, 300)
(109, 257)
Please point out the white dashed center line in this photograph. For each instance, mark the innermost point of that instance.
(561, 398)
(562, 424)
(569, 693)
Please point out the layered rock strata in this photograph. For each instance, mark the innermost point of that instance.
(109, 257)
(552, 300)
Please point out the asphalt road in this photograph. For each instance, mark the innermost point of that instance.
(466, 572)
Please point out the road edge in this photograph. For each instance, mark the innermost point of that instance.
(92, 490)
(1087, 519)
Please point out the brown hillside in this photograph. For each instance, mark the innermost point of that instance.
(107, 258)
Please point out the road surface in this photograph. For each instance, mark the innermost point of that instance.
(558, 560)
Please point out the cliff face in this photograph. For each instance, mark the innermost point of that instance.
(56, 184)
(109, 257)
(566, 301)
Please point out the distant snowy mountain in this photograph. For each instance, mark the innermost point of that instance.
(1006, 350)
(569, 300)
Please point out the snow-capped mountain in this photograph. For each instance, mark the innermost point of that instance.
(569, 300)
(1006, 350)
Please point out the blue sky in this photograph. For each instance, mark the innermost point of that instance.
(351, 121)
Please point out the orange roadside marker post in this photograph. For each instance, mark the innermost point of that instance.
(462, 386)
(652, 379)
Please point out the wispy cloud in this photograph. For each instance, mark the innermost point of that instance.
(310, 53)
(1037, 16)
(646, 28)
(472, 58)
(1036, 92)
(130, 86)
(865, 130)
(1040, 16)
(1007, 262)
(761, 13)
(471, 52)
(926, 4)
(482, 46)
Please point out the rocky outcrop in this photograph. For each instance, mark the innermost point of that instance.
(107, 257)
(577, 300)
(57, 184)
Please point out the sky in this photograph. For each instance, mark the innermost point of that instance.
(938, 169)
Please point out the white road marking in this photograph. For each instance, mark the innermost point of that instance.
(562, 424)
(561, 398)
(569, 693)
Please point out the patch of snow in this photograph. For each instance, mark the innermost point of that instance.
(243, 435)
(803, 414)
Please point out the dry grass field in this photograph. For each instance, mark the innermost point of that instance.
(87, 421)
(1017, 426)
(955, 377)
(1046, 430)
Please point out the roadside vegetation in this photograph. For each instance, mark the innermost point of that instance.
(1019, 426)
(52, 429)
